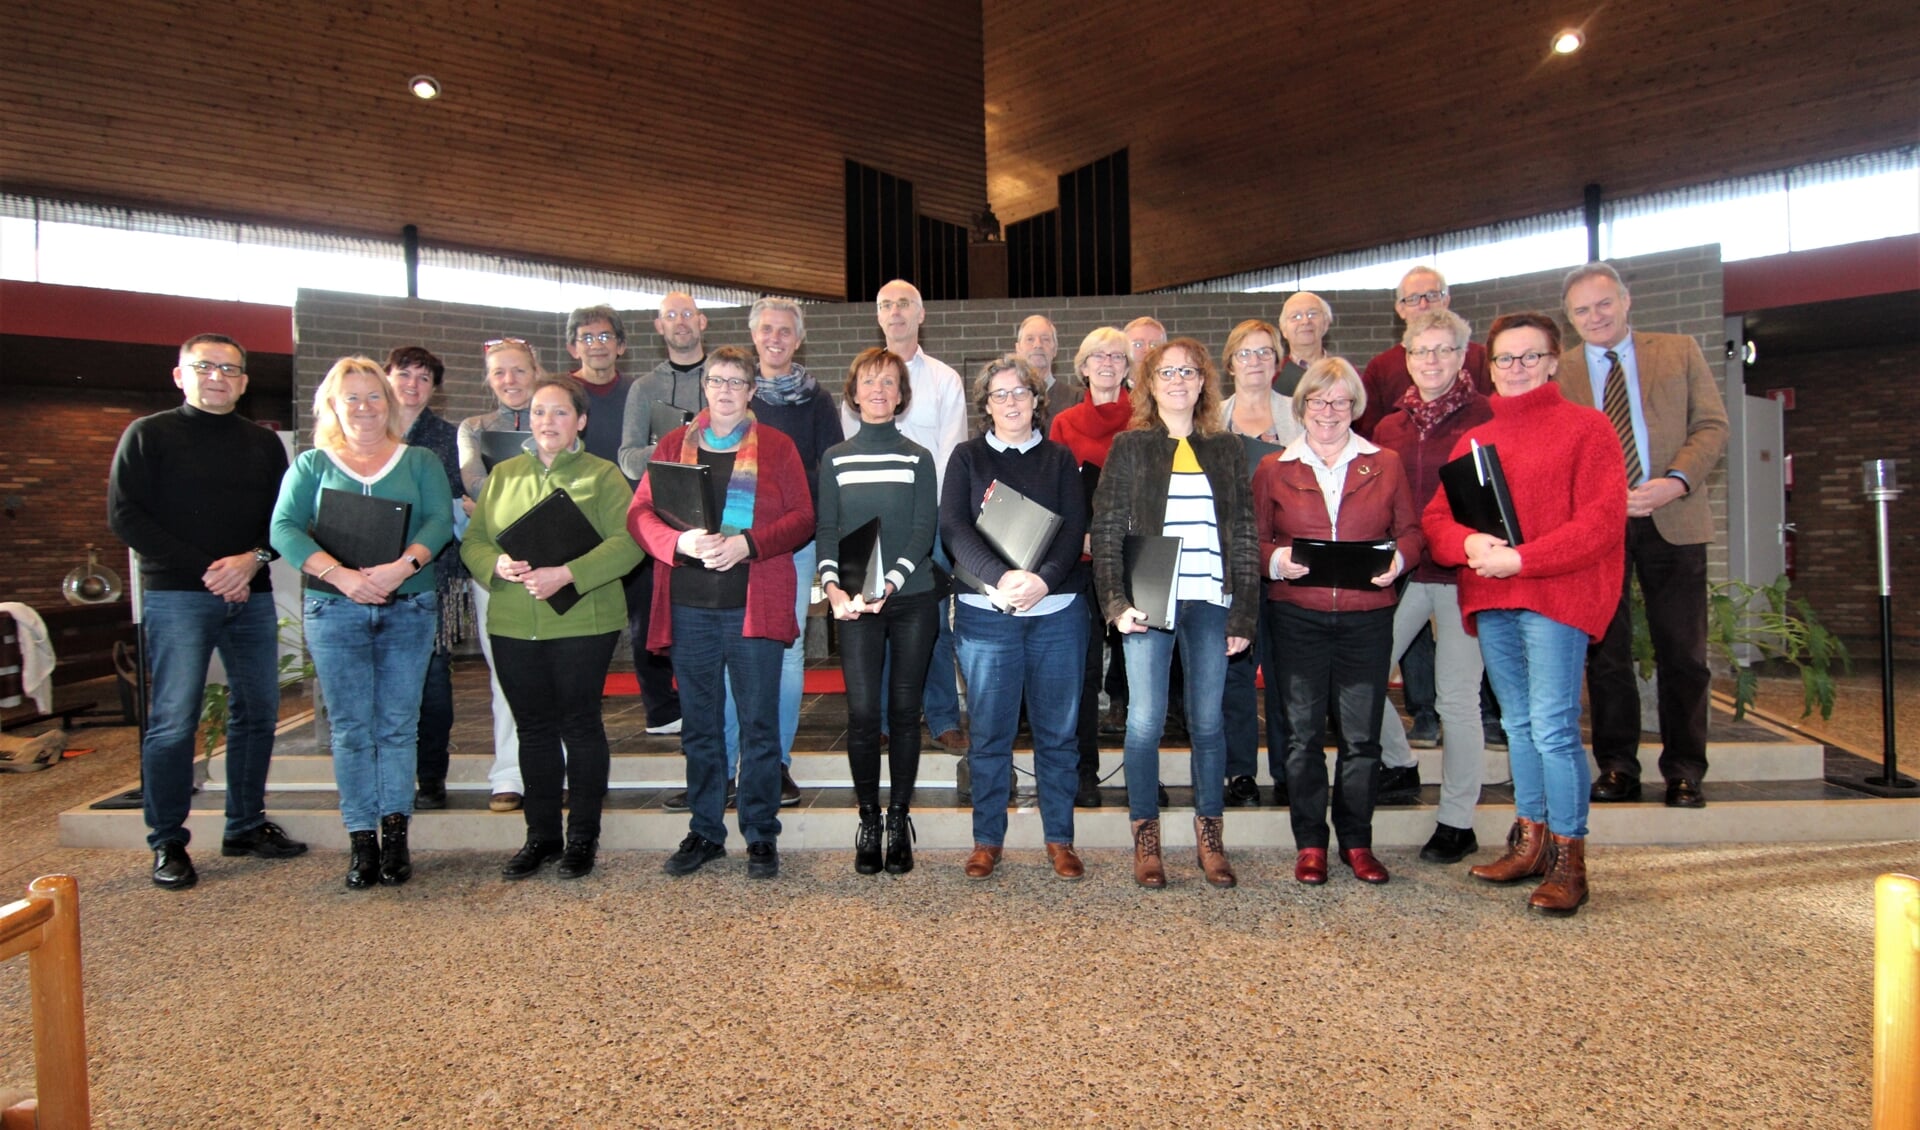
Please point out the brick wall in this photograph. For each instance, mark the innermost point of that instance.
(1850, 406)
(1673, 292)
(56, 447)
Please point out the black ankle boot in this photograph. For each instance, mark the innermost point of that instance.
(866, 842)
(576, 859)
(396, 865)
(899, 841)
(363, 864)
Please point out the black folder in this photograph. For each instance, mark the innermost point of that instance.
(498, 447)
(1258, 449)
(1477, 491)
(681, 496)
(664, 417)
(554, 532)
(863, 568)
(1342, 564)
(359, 530)
(1019, 529)
(1151, 564)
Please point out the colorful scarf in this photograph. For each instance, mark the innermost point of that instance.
(797, 387)
(738, 514)
(1427, 414)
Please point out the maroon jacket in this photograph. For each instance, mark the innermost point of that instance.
(1423, 458)
(782, 522)
(1386, 379)
(1376, 502)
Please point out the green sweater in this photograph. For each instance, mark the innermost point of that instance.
(601, 492)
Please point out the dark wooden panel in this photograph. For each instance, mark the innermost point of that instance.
(694, 140)
(1294, 130)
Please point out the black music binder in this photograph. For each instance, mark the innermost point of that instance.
(1151, 568)
(1342, 564)
(498, 447)
(359, 530)
(554, 532)
(664, 417)
(1477, 491)
(1258, 449)
(1017, 528)
(681, 496)
(863, 568)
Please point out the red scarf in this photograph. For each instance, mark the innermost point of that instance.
(1427, 414)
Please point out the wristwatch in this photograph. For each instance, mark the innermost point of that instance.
(417, 564)
(263, 556)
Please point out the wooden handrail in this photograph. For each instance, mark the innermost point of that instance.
(1896, 1002)
(46, 927)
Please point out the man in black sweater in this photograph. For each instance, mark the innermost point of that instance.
(192, 491)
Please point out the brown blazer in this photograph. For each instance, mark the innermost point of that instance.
(1686, 423)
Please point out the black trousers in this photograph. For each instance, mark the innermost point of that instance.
(1673, 581)
(554, 688)
(1342, 658)
(1087, 729)
(907, 625)
(654, 670)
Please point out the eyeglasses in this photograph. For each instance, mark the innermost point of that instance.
(1003, 395)
(1321, 404)
(1424, 298)
(1109, 358)
(734, 383)
(1264, 353)
(679, 315)
(496, 343)
(1177, 373)
(889, 304)
(206, 368)
(1305, 316)
(603, 337)
(1443, 352)
(1531, 359)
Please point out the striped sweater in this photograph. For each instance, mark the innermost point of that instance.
(880, 473)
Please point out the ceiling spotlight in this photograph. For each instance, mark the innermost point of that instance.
(424, 87)
(1568, 41)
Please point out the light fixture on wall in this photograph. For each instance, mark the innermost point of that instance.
(424, 87)
(1568, 40)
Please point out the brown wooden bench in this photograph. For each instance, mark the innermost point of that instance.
(84, 638)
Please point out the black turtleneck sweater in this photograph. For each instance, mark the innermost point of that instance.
(880, 473)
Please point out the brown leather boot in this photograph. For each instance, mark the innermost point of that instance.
(1147, 869)
(1526, 855)
(1211, 853)
(1565, 890)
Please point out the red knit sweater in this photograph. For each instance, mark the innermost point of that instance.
(1569, 486)
(1088, 429)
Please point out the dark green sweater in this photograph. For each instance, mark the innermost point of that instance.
(880, 473)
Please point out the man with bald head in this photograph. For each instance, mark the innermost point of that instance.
(1386, 378)
(1038, 343)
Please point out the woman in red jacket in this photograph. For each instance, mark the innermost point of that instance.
(1536, 605)
(1332, 644)
(723, 604)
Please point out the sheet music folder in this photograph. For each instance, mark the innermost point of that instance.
(554, 532)
(498, 447)
(663, 417)
(1151, 569)
(1342, 564)
(359, 530)
(862, 568)
(1477, 492)
(681, 496)
(1019, 529)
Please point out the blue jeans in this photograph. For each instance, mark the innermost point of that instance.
(1536, 664)
(1201, 628)
(372, 662)
(182, 630)
(1004, 657)
(793, 670)
(715, 660)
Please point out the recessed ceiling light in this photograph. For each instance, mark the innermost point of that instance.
(424, 87)
(1567, 41)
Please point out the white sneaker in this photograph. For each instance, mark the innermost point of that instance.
(672, 727)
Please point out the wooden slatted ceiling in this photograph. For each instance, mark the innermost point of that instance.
(1265, 134)
(695, 140)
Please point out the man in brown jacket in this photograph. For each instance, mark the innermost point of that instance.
(1661, 396)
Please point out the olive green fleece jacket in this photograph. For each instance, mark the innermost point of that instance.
(601, 492)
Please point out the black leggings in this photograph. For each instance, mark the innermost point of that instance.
(907, 624)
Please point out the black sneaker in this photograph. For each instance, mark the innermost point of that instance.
(1449, 844)
(268, 841)
(173, 868)
(1242, 792)
(1280, 797)
(577, 859)
(694, 852)
(1495, 735)
(1088, 794)
(1165, 798)
(1425, 733)
(789, 792)
(763, 860)
(531, 857)
(431, 796)
(1399, 785)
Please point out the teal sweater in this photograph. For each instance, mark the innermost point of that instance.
(416, 477)
(601, 492)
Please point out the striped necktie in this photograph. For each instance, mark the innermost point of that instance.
(1622, 416)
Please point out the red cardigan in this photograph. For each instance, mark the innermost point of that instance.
(1375, 502)
(1569, 486)
(782, 522)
